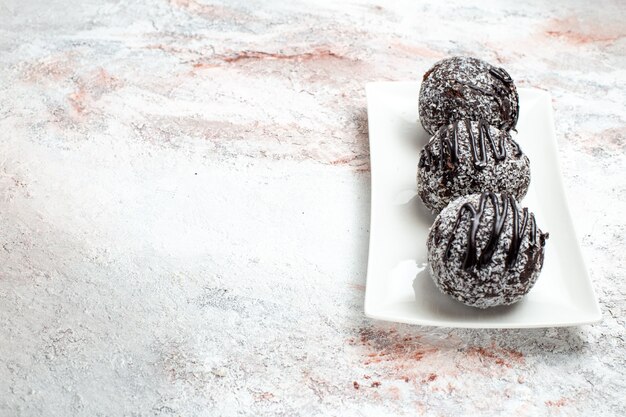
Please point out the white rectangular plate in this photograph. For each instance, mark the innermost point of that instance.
(399, 287)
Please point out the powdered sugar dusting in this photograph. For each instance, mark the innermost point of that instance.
(467, 88)
(494, 283)
(442, 180)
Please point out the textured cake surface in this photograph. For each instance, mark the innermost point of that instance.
(485, 251)
(470, 157)
(467, 88)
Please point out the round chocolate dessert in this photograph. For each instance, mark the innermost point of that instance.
(484, 251)
(469, 157)
(467, 88)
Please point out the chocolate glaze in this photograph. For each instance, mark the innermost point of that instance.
(496, 91)
(477, 88)
(501, 74)
(500, 214)
(457, 88)
(449, 147)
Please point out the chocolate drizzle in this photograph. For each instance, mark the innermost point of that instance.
(477, 88)
(501, 74)
(448, 154)
(500, 212)
(464, 87)
(498, 92)
(505, 107)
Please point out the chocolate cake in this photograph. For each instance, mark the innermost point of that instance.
(469, 157)
(484, 251)
(467, 88)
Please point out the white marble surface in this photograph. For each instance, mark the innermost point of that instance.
(184, 209)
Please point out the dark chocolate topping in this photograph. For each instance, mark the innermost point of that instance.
(477, 88)
(496, 92)
(501, 74)
(449, 147)
(501, 210)
(459, 88)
